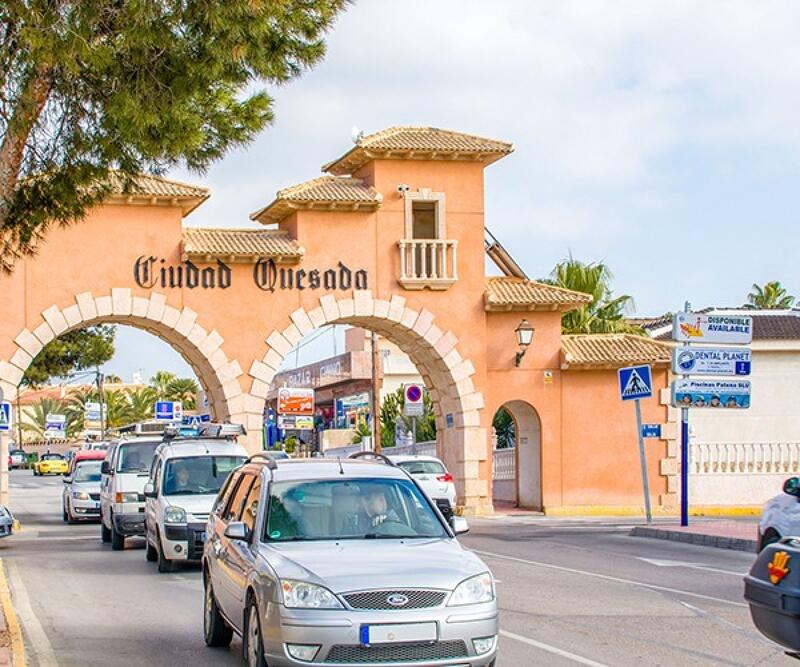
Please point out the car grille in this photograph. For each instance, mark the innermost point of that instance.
(397, 653)
(417, 599)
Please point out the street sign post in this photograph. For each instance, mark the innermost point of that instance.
(6, 415)
(55, 426)
(711, 361)
(636, 383)
(413, 406)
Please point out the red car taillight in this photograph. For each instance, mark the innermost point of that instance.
(447, 477)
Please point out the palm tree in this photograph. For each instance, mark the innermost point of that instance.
(142, 401)
(604, 314)
(118, 408)
(183, 390)
(160, 381)
(503, 424)
(36, 416)
(771, 296)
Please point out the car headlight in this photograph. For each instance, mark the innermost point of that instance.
(129, 497)
(174, 514)
(473, 590)
(301, 594)
(80, 495)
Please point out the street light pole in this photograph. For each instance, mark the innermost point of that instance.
(376, 395)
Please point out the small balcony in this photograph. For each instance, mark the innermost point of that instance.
(428, 263)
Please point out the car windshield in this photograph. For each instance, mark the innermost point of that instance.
(198, 475)
(349, 509)
(136, 457)
(423, 467)
(87, 471)
(52, 457)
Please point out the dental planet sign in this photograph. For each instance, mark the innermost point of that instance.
(701, 328)
(711, 361)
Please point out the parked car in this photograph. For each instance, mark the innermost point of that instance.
(81, 497)
(781, 515)
(7, 522)
(18, 458)
(342, 561)
(51, 464)
(124, 472)
(430, 473)
(184, 481)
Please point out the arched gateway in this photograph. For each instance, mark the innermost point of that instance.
(391, 239)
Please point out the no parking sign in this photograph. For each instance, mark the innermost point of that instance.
(413, 406)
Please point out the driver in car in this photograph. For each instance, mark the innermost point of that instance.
(182, 479)
(374, 510)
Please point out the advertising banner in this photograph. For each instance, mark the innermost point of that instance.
(293, 401)
(700, 328)
(711, 361)
(720, 394)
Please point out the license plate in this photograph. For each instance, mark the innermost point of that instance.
(399, 632)
(96, 505)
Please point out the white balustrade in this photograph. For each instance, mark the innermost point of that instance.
(431, 263)
(504, 464)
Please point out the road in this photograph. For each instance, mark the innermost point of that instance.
(570, 593)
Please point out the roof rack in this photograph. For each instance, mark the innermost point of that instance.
(374, 455)
(271, 464)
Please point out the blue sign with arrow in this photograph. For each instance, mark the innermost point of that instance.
(5, 416)
(635, 382)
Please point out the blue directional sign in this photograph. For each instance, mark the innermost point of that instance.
(5, 416)
(196, 420)
(168, 411)
(651, 430)
(635, 382)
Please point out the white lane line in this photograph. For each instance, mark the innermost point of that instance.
(606, 577)
(38, 642)
(552, 649)
(693, 566)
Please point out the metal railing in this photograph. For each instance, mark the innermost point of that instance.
(504, 463)
(428, 263)
(708, 458)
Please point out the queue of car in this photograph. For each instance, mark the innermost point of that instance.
(334, 561)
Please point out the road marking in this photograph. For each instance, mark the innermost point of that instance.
(693, 566)
(40, 645)
(552, 649)
(12, 622)
(606, 577)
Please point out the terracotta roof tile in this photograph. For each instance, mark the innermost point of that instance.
(612, 350)
(148, 187)
(325, 191)
(511, 293)
(239, 243)
(423, 143)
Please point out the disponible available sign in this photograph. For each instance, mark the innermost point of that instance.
(293, 401)
(700, 328)
(733, 394)
(711, 361)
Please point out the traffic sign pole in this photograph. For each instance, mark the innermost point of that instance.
(643, 460)
(685, 448)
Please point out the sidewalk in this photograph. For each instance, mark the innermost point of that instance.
(723, 533)
(12, 648)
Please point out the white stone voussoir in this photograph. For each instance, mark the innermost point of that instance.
(363, 303)
(197, 335)
(231, 389)
(347, 308)
(409, 317)
(273, 359)
(186, 321)
(259, 388)
(277, 342)
(72, 314)
(170, 317)
(155, 309)
(44, 333)
(121, 300)
(330, 307)
(229, 371)
(317, 317)
(446, 343)
(139, 306)
(21, 359)
(292, 334)
(104, 305)
(28, 342)
(54, 317)
(10, 373)
(87, 306)
(397, 307)
(381, 309)
(302, 321)
(211, 343)
(260, 371)
(424, 322)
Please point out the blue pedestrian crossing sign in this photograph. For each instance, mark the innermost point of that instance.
(635, 382)
(5, 416)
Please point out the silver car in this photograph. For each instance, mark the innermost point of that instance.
(342, 562)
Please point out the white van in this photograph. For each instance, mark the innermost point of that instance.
(185, 478)
(124, 473)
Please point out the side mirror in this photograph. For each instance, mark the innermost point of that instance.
(459, 525)
(792, 486)
(149, 490)
(105, 468)
(68, 480)
(237, 530)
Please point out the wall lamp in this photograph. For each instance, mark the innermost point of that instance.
(524, 337)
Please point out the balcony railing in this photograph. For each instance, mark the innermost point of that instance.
(430, 263)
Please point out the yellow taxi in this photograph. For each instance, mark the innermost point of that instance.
(51, 464)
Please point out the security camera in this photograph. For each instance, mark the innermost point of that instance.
(402, 187)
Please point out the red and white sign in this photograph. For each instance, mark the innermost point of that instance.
(414, 405)
(296, 401)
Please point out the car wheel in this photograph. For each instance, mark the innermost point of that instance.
(105, 533)
(217, 632)
(165, 565)
(150, 552)
(770, 537)
(117, 538)
(252, 646)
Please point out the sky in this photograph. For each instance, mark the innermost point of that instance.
(659, 137)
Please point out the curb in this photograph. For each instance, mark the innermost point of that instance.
(717, 541)
(17, 647)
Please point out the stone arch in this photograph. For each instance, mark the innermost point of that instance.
(202, 349)
(462, 443)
